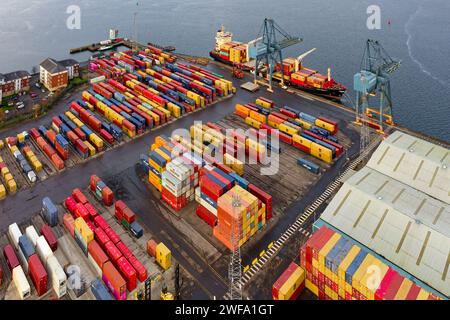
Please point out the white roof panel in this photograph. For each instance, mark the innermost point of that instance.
(416, 162)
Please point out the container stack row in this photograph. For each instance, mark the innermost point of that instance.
(112, 259)
(309, 134)
(339, 269)
(33, 254)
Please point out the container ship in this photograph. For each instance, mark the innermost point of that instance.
(296, 75)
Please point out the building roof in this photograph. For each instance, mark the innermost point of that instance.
(52, 66)
(397, 220)
(14, 75)
(416, 162)
(68, 62)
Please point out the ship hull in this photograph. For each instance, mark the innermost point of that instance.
(329, 93)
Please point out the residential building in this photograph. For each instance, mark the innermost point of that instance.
(14, 83)
(55, 75)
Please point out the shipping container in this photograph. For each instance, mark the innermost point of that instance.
(57, 276)
(21, 283)
(38, 274)
(50, 237)
(10, 257)
(100, 291)
(32, 234)
(114, 281)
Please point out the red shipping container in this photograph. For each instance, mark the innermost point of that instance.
(126, 252)
(38, 274)
(105, 135)
(59, 164)
(93, 182)
(91, 225)
(92, 211)
(206, 215)
(101, 237)
(79, 196)
(72, 137)
(140, 269)
(34, 133)
(108, 197)
(118, 208)
(69, 223)
(264, 197)
(128, 273)
(128, 215)
(82, 212)
(71, 205)
(114, 281)
(151, 247)
(285, 138)
(113, 253)
(97, 253)
(11, 258)
(101, 222)
(48, 234)
(112, 235)
(80, 134)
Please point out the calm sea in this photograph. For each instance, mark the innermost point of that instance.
(415, 31)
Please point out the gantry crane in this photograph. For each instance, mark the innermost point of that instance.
(374, 81)
(269, 50)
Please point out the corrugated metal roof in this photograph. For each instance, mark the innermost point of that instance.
(416, 162)
(400, 223)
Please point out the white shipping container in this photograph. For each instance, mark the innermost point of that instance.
(43, 249)
(57, 277)
(32, 235)
(14, 234)
(21, 283)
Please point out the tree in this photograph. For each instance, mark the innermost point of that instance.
(2, 115)
(36, 110)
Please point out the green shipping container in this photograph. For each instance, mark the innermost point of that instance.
(126, 224)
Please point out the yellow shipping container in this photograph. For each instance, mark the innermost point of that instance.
(263, 103)
(2, 192)
(91, 148)
(96, 141)
(272, 124)
(234, 163)
(321, 152)
(304, 124)
(368, 282)
(345, 263)
(303, 141)
(163, 256)
(258, 116)
(86, 233)
(404, 289)
(21, 137)
(287, 129)
(325, 250)
(5, 171)
(255, 146)
(155, 181)
(2, 144)
(325, 125)
(174, 109)
(292, 284)
(252, 122)
(11, 185)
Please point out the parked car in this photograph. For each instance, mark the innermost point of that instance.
(33, 95)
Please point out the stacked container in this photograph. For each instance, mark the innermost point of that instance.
(46, 148)
(338, 269)
(49, 211)
(178, 182)
(101, 191)
(290, 284)
(11, 184)
(238, 212)
(32, 158)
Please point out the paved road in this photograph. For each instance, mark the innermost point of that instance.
(20, 207)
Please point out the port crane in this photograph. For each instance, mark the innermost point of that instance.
(268, 51)
(374, 81)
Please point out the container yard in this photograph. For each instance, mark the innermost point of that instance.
(161, 180)
(139, 93)
(93, 232)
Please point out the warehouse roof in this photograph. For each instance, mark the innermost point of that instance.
(400, 223)
(416, 162)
